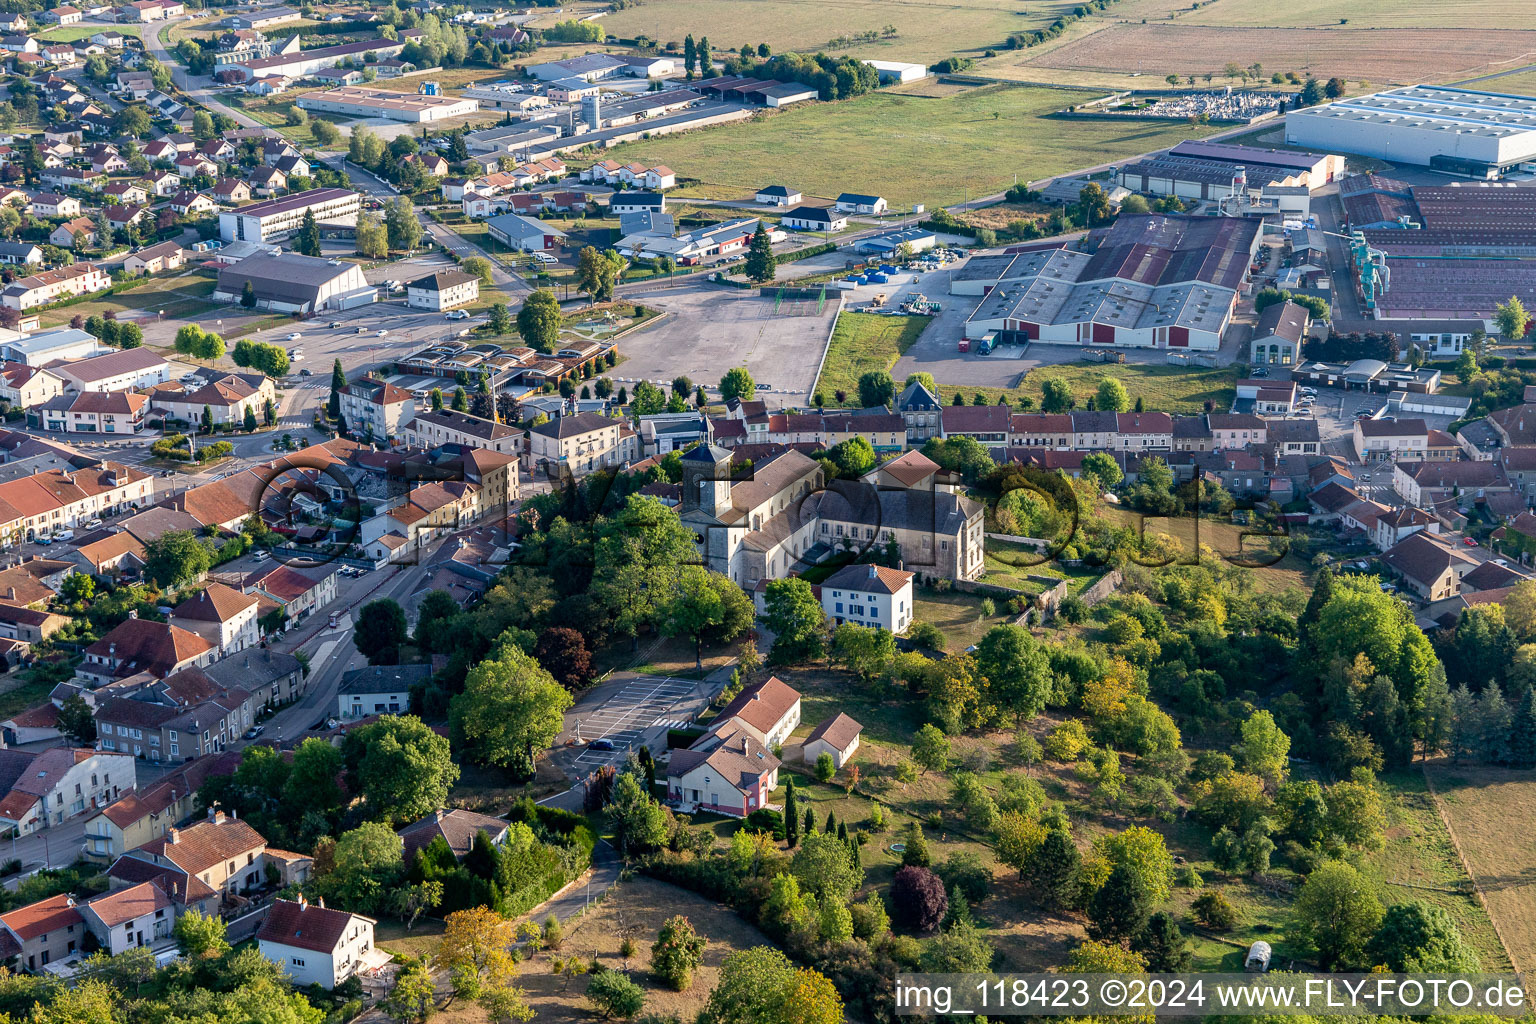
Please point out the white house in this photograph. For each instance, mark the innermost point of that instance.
(869, 595)
(379, 689)
(220, 615)
(124, 919)
(852, 202)
(815, 218)
(778, 195)
(837, 736)
(445, 289)
(315, 945)
(768, 712)
(728, 772)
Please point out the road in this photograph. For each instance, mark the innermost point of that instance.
(199, 88)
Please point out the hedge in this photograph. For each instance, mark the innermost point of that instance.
(805, 254)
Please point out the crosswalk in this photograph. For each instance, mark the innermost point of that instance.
(645, 703)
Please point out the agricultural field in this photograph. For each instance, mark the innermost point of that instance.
(1489, 811)
(982, 138)
(925, 30)
(1521, 83)
(1163, 388)
(1367, 52)
(862, 342)
(1375, 13)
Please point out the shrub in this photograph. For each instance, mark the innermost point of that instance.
(919, 899)
(615, 995)
(677, 953)
(766, 820)
(825, 768)
(1212, 910)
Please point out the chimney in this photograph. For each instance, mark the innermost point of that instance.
(872, 573)
(172, 836)
(133, 613)
(302, 901)
(233, 814)
(320, 903)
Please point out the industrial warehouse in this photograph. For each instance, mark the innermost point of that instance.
(1458, 131)
(1152, 281)
(415, 108)
(289, 283)
(1208, 170)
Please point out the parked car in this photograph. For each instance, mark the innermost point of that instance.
(306, 372)
(93, 524)
(335, 324)
(262, 554)
(600, 745)
(1470, 542)
(295, 336)
(254, 731)
(457, 314)
(382, 332)
(362, 330)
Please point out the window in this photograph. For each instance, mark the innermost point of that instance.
(296, 961)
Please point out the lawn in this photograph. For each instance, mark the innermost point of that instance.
(1007, 564)
(1242, 545)
(981, 139)
(183, 294)
(862, 342)
(1163, 388)
(1489, 811)
(958, 615)
(72, 33)
(25, 695)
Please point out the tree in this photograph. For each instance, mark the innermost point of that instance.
(192, 340)
(737, 383)
(1102, 467)
(1418, 938)
(761, 265)
(372, 236)
(563, 653)
(918, 899)
(639, 822)
(176, 558)
(1263, 748)
(761, 986)
(414, 996)
(402, 768)
(338, 381)
(864, 651)
(1017, 670)
(78, 587)
(1512, 319)
(876, 388)
(597, 273)
(199, 936)
(615, 995)
(480, 267)
(1334, 88)
(510, 708)
(677, 953)
(1120, 907)
(791, 815)
(1053, 870)
(379, 631)
(797, 620)
(76, 720)
(540, 320)
(822, 865)
(707, 607)
(1337, 914)
(202, 125)
(1111, 396)
(1055, 396)
(1163, 944)
(476, 951)
(308, 243)
(930, 749)
(401, 223)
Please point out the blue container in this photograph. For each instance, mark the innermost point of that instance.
(886, 268)
(878, 279)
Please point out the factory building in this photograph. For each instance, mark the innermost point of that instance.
(1211, 170)
(1458, 131)
(289, 283)
(360, 101)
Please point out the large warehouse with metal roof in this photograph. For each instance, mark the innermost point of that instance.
(1459, 131)
(1153, 281)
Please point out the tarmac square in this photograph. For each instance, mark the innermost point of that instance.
(709, 330)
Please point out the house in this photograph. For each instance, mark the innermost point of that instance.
(372, 408)
(117, 370)
(93, 412)
(1377, 440)
(852, 202)
(188, 203)
(727, 771)
(768, 712)
(837, 736)
(272, 677)
(231, 190)
(139, 816)
(220, 615)
(153, 259)
(314, 945)
(124, 919)
(122, 217)
(1428, 484)
(79, 233)
(581, 443)
(65, 15)
(456, 827)
(869, 595)
(41, 933)
(1278, 335)
(815, 218)
(379, 689)
(222, 852)
(636, 202)
(988, 424)
(443, 290)
(138, 645)
(1429, 566)
(52, 204)
(25, 387)
(778, 195)
(46, 788)
(163, 183)
(126, 192)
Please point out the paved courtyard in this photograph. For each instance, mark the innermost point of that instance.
(710, 329)
(631, 712)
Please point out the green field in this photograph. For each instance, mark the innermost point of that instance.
(1372, 13)
(862, 342)
(1161, 387)
(184, 295)
(70, 33)
(905, 147)
(1522, 83)
(925, 30)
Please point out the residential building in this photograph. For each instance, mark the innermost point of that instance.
(815, 218)
(220, 615)
(1430, 567)
(51, 204)
(778, 195)
(273, 678)
(457, 827)
(42, 933)
(92, 412)
(920, 408)
(1278, 335)
(731, 774)
(51, 285)
(988, 424)
(767, 712)
(837, 737)
(869, 595)
(124, 919)
(138, 645)
(379, 689)
(1377, 440)
(852, 202)
(118, 370)
(278, 219)
(53, 500)
(372, 408)
(314, 945)
(26, 386)
(581, 443)
(432, 429)
(226, 396)
(445, 289)
(26, 254)
(1429, 484)
(222, 852)
(139, 816)
(48, 787)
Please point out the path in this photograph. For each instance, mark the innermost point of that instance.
(199, 88)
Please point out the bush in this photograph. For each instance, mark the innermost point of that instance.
(766, 820)
(919, 899)
(1067, 742)
(615, 995)
(677, 953)
(825, 768)
(1212, 910)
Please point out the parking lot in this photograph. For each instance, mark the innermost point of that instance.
(709, 330)
(643, 704)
